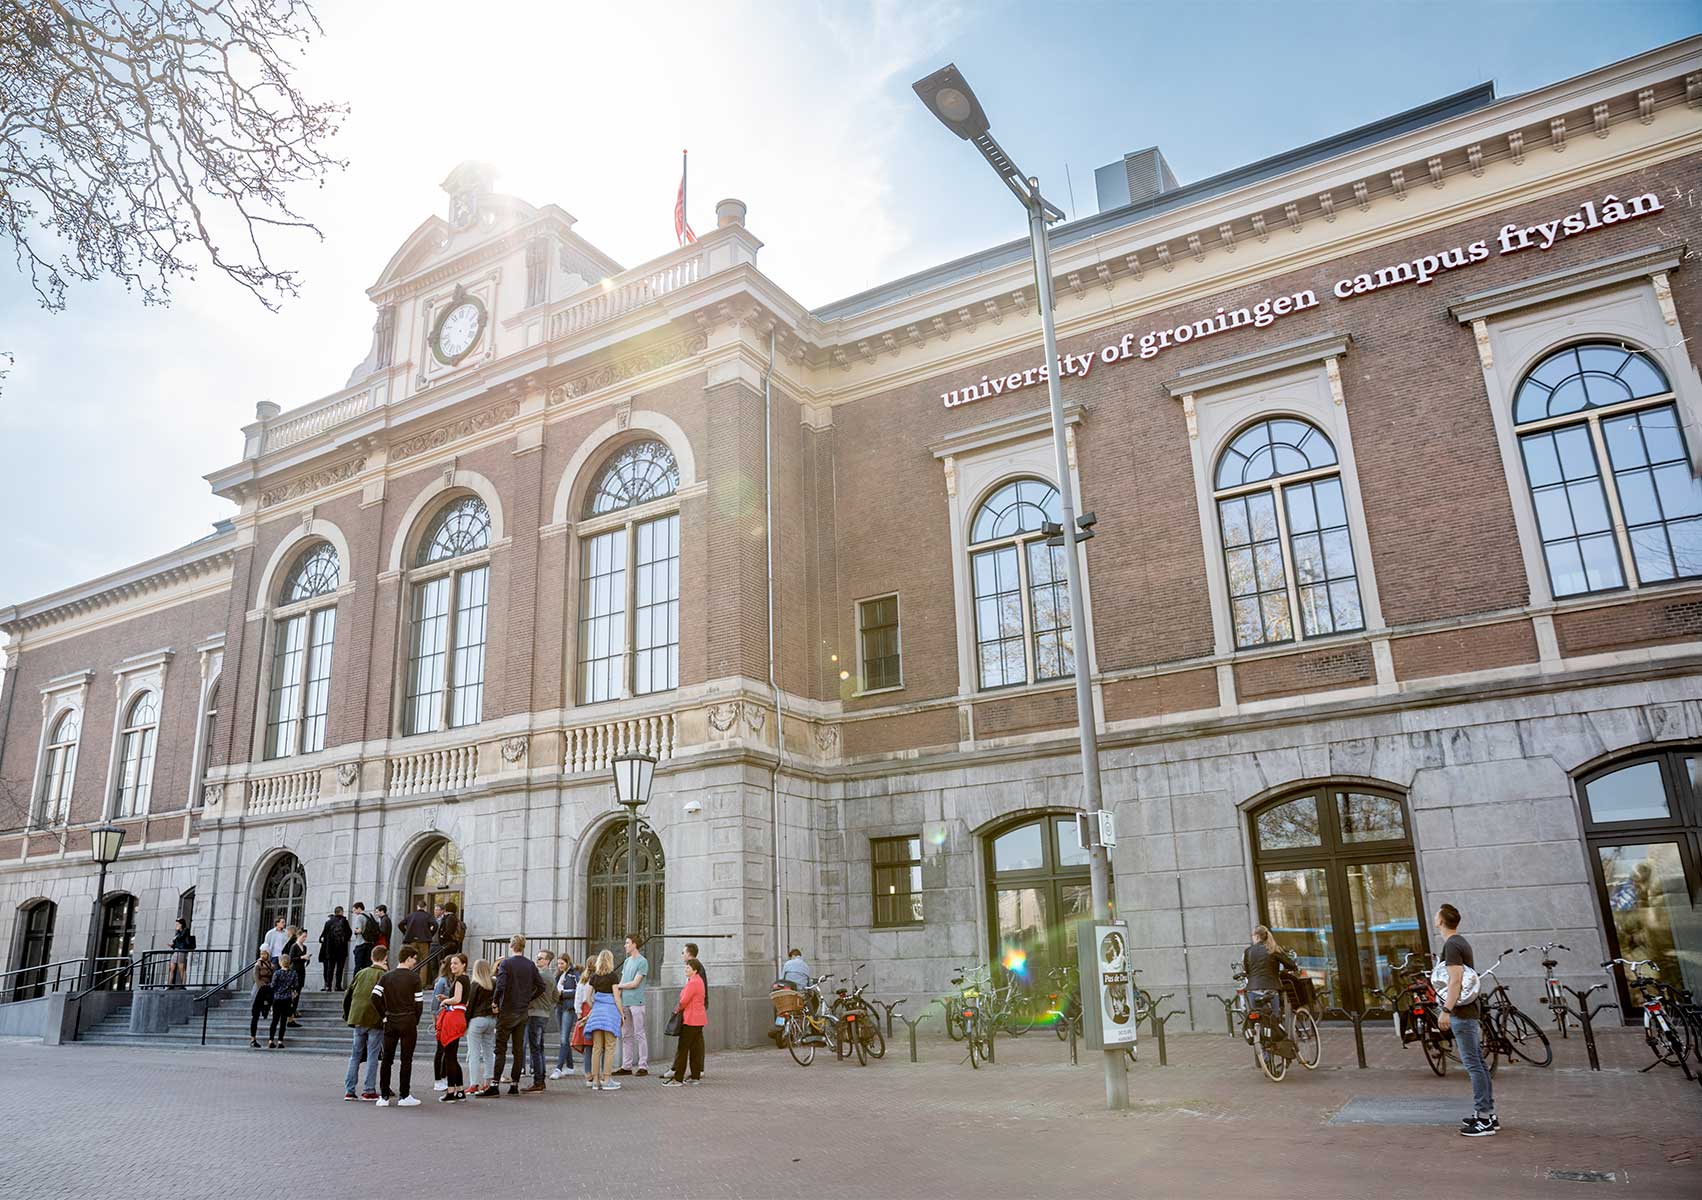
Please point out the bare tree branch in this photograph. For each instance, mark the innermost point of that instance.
(142, 138)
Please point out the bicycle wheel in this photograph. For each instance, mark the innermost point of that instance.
(1274, 1065)
(1526, 1041)
(1306, 1037)
(858, 1039)
(803, 1053)
(1434, 1052)
(954, 1023)
(876, 1040)
(972, 1035)
(1143, 1004)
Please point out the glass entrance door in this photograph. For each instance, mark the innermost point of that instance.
(117, 937)
(1648, 901)
(1039, 888)
(35, 950)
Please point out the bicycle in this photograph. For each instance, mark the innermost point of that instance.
(1066, 1003)
(978, 1030)
(1553, 997)
(1416, 1005)
(1506, 1030)
(1669, 1047)
(858, 1028)
(808, 1024)
(967, 981)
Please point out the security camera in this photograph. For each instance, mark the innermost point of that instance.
(694, 806)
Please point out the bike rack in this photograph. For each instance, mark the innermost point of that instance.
(1586, 1015)
(1228, 1011)
(885, 1011)
(1073, 1059)
(1158, 1023)
(1358, 1019)
(911, 1025)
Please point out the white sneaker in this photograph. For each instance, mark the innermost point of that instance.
(611, 1086)
(442, 1085)
(589, 1082)
(407, 1102)
(381, 1102)
(566, 1071)
(556, 1074)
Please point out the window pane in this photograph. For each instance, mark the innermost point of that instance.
(998, 611)
(288, 651)
(1257, 582)
(1023, 925)
(1049, 612)
(877, 622)
(1070, 851)
(1633, 793)
(463, 527)
(466, 699)
(1652, 913)
(1297, 904)
(1289, 825)
(318, 699)
(1367, 818)
(426, 657)
(1021, 506)
(656, 615)
(1572, 517)
(602, 617)
(636, 475)
(1020, 849)
(1385, 919)
(897, 880)
(1601, 562)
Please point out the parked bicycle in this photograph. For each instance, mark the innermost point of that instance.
(858, 1029)
(1668, 1035)
(809, 1023)
(1506, 1030)
(1553, 995)
(1416, 1007)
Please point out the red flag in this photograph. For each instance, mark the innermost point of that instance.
(682, 227)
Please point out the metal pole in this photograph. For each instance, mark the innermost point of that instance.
(94, 928)
(1116, 1079)
(631, 870)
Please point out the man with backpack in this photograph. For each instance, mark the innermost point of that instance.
(1461, 1014)
(334, 949)
(365, 931)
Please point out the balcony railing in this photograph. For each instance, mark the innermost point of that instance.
(432, 771)
(283, 793)
(593, 747)
(620, 294)
(317, 418)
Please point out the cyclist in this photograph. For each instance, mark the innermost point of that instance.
(1263, 962)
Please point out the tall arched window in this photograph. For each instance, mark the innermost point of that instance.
(1599, 402)
(606, 888)
(34, 949)
(1287, 549)
(136, 755)
(1022, 593)
(1038, 885)
(450, 584)
(630, 514)
(283, 894)
(1338, 886)
(204, 759)
(60, 770)
(304, 627)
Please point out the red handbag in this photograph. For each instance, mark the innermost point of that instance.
(579, 1040)
(451, 1023)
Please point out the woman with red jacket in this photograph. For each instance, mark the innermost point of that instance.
(693, 1017)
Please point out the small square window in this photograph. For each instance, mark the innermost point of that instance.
(877, 643)
(897, 881)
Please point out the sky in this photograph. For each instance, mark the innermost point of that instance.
(113, 411)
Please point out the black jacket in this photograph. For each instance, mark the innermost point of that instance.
(416, 927)
(446, 931)
(183, 940)
(517, 981)
(335, 935)
(384, 927)
(398, 997)
(1264, 969)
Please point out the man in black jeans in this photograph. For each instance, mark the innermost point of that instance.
(517, 982)
(398, 997)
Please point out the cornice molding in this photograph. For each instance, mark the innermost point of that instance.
(1225, 371)
(313, 481)
(1556, 285)
(1006, 429)
(141, 580)
(454, 431)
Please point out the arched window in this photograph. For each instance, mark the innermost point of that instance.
(449, 584)
(1038, 885)
(34, 949)
(1601, 401)
(136, 755)
(60, 770)
(117, 937)
(1339, 888)
(622, 522)
(1287, 549)
(1643, 825)
(209, 719)
(1022, 594)
(606, 888)
(304, 627)
(439, 877)
(284, 894)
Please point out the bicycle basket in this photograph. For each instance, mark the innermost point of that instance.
(786, 1003)
(1302, 992)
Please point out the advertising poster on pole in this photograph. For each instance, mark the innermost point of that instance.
(1105, 970)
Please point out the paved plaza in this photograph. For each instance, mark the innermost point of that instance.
(138, 1123)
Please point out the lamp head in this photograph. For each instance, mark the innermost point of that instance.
(634, 773)
(105, 842)
(950, 98)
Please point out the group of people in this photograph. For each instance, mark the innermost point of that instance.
(504, 1013)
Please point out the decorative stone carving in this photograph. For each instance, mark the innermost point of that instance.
(1663, 297)
(212, 795)
(623, 415)
(454, 431)
(722, 717)
(513, 749)
(754, 715)
(1335, 374)
(1327, 202)
(1474, 156)
(827, 738)
(1480, 332)
(313, 481)
(636, 364)
(1191, 416)
(347, 773)
(1291, 212)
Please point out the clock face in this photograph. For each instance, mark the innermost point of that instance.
(458, 330)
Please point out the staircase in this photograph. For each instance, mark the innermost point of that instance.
(322, 1030)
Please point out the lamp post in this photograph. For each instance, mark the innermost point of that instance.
(634, 773)
(105, 842)
(950, 98)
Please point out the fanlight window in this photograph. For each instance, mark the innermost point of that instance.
(315, 573)
(1595, 402)
(1022, 591)
(462, 527)
(446, 658)
(136, 755)
(302, 640)
(638, 474)
(1287, 548)
(60, 771)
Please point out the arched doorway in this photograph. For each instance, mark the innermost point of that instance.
(117, 936)
(35, 948)
(1643, 826)
(283, 894)
(439, 877)
(1339, 888)
(1038, 886)
(606, 888)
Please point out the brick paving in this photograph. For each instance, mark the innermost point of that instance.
(143, 1122)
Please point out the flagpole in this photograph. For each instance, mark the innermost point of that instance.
(685, 211)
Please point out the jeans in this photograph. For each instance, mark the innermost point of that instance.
(566, 1019)
(281, 1010)
(535, 1027)
(635, 1047)
(403, 1037)
(367, 1044)
(363, 955)
(481, 1049)
(1468, 1037)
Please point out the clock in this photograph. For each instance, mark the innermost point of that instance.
(458, 329)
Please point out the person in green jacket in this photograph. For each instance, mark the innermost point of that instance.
(364, 1018)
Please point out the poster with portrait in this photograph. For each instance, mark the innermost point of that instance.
(1116, 992)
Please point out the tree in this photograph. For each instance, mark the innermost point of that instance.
(140, 138)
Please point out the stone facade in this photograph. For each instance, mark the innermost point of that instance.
(1472, 695)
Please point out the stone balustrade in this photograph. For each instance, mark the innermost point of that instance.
(432, 770)
(620, 294)
(288, 792)
(594, 747)
(316, 418)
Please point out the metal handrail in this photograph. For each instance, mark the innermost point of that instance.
(201, 998)
(149, 968)
(40, 969)
(97, 983)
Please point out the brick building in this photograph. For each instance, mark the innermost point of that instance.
(1395, 598)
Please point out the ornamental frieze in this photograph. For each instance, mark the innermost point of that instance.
(313, 481)
(625, 368)
(455, 430)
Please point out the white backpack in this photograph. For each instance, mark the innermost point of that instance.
(1468, 983)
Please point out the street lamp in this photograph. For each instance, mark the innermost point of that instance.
(634, 773)
(105, 842)
(950, 98)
